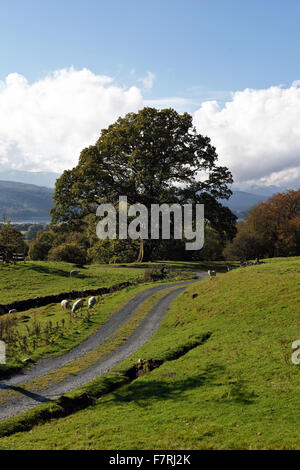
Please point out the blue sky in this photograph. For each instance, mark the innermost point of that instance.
(193, 47)
(182, 54)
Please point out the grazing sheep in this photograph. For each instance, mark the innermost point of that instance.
(211, 273)
(13, 310)
(74, 272)
(78, 305)
(91, 302)
(65, 304)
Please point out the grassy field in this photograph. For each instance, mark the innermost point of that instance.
(39, 278)
(238, 390)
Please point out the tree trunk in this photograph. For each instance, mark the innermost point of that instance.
(141, 252)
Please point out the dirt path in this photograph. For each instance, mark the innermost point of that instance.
(139, 337)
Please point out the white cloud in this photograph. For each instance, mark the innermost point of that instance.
(45, 125)
(256, 134)
(148, 81)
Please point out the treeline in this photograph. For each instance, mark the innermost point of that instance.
(270, 229)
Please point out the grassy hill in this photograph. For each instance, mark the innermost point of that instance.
(238, 389)
(25, 202)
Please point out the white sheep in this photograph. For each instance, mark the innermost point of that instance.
(91, 302)
(13, 310)
(77, 305)
(65, 304)
(211, 273)
(74, 272)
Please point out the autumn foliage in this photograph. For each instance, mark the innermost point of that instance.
(272, 228)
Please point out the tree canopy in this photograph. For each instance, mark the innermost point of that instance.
(152, 157)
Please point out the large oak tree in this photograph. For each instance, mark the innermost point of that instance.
(151, 157)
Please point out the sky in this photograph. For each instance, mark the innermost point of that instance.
(69, 68)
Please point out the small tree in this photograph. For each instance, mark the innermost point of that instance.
(11, 241)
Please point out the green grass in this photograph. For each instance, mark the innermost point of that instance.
(40, 278)
(238, 390)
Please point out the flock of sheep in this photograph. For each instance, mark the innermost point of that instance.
(66, 304)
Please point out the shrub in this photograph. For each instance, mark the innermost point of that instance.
(69, 252)
(155, 274)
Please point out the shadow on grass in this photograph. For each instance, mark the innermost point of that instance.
(238, 393)
(27, 393)
(142, 391)
(56, 272)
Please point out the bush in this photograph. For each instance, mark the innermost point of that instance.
(69, 252)
(155, 274)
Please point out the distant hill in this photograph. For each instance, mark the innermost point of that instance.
(40, 178)
(241, 201)
(25, 202)
(31, 203)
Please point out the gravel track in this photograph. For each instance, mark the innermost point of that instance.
(139, 337)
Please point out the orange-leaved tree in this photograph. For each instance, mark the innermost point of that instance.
(271, 228)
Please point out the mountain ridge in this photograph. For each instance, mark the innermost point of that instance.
(22, 202)
(28, 202)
